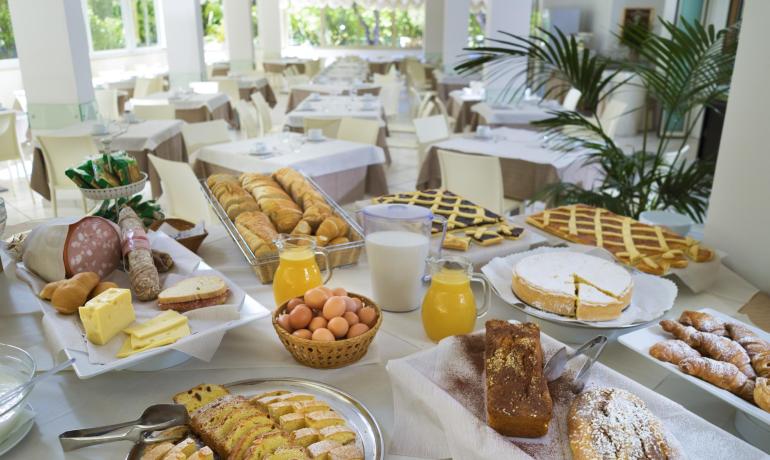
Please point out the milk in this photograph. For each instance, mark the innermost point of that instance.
(397, 264)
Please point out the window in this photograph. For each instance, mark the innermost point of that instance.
(106, 22)
(476, 25)
(145, 30)
(213, 26)
(254, 22)
(7, 42)
(355, 26)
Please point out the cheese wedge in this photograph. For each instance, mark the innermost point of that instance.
(107, 314)
(167, 320)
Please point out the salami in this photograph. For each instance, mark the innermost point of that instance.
(92, 245)
(136, 250)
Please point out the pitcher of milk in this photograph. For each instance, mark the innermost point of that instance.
(398, 241)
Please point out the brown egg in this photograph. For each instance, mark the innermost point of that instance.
(293, 303)
(316, 297)
(283, 321)
(356, 330)
(300, 317)
(351, 318)
(317, 323)
(327, 290)
(339, 291)
(323, 335)
(358, 302)
(351, 305)
(334, 307)
(338, 326)
(302, 334)
(368, 316)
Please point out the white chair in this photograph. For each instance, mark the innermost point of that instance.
(359, 130)
(9, 141)
(249, 119)
(61, 153)
(146, 86)
(571, 99)
(181, 193)
(107, 102)
(197, 135)
(230, 88)
(611, 115)
(677, 158)
(415, 73)
(441, 108)
(329, 126)
(478, 178)
(155, 112)
(429, 130)
(384, 79)
(419, 107)
(20, 100)
(390, 96)
(265, 114)
(204, 87)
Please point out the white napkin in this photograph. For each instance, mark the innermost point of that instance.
(652, 296)
(440, 391)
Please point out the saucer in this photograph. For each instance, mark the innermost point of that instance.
(17, 434)
(320, 139)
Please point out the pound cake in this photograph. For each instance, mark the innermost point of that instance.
(518, 401)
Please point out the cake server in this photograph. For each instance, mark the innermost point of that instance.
(154, 418)
(555, 366)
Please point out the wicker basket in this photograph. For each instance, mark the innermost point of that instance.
(328, 355)
(192, 243)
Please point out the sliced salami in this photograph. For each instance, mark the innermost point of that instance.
(92, 245)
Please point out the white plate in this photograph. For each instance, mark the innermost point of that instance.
(18, 433)
(640, 341)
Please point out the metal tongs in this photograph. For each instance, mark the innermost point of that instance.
(154, 418)
(555, 366)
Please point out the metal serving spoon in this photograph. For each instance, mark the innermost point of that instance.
(555, 366)
(154, 418)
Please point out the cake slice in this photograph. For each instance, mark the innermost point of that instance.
(265, 444)
(595, 305)
(288, 453)
(518, 401)
(349, 452)
(241, 439)
(291, 422)
(277, 409)
(304, 437)
(204, 453)
(322, 419)
(340, 433)
(313, 405)
(320, 450)
(157, 451)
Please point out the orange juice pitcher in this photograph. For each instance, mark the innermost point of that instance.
(297, 270)
(449, 307)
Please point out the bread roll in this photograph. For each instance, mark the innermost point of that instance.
(283, 212)
(257, 230)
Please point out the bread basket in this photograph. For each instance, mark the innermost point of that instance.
(328, 355)
(192, 243)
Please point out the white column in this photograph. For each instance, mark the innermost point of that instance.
(511, 16)
(54, 61)
(433, 31)
(456, 15)
(238, 34)
(184, 42)
(270, 35)
(739, 210)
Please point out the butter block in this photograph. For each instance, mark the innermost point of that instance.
(169, 319)
(107, 314)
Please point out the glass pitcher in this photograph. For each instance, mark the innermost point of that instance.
(398, 241)
(297, 270)
(449, 307)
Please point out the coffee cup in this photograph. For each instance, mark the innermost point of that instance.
(315, 134)
(484, 131)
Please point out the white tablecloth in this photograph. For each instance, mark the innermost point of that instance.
(146, 135)
(291, 149)
(245, 81)
(185, 101)
(332, 88)
(461, 96)
(335, 107)
(522, 114)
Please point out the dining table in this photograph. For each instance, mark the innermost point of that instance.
(193, 107)
(447, 83)
(513, 115)
(459, 107)
(162, 138)
(278, 65)
(298, 93)
(248, 84)
(64, 402)
(345, 170)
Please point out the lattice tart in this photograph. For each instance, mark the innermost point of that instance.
(651, 249)
(459, 212)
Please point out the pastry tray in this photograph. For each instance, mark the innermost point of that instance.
(264, 266)
(641, 340)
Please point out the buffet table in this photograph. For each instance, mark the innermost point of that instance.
(345, 170)
(193, 108)
(63, 402)
(162, 138)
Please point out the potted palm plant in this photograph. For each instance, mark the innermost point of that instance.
(685, 71)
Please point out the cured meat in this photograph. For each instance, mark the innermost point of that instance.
(136, 249)
(92, 245)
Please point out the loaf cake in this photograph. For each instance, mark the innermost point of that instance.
(518, 401)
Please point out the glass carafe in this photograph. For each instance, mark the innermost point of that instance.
(449, 307)
(297, 270)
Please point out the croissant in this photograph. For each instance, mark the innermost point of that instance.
(332, 227)
(314, 206)
(757, 348)
(273, 201)
(687, 334)
(762, 393)
(672, 351)
(257, 231)
(68, 295)
(703, 322)
(302, 228)
(713, 346)
(724, 375)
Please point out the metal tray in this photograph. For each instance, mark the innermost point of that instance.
(264, 266)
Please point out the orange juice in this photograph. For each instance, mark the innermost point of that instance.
(449, 307)
(297, 272)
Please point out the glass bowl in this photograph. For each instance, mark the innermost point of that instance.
(16, 368)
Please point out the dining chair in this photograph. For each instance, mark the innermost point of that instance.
(382, 79)
(60, 153)
(9, 141)
(146, 86)
(197, 135)
(429, 130)
(359, 130)
(478, 178)
(230, 87)
(249, 119)
(329, 126)
(441, 108)
(204, 87)
(571, 99)
(415, 72)
(107, 102)
(155, 112)
(390, 96)
(610, 116)
(265, 114)
(182, 195)
(676, 158)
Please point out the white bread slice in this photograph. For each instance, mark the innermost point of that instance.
(195, 288)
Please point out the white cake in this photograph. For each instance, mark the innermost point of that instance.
(573, 284)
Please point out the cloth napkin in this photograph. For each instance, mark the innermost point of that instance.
(441, 390)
